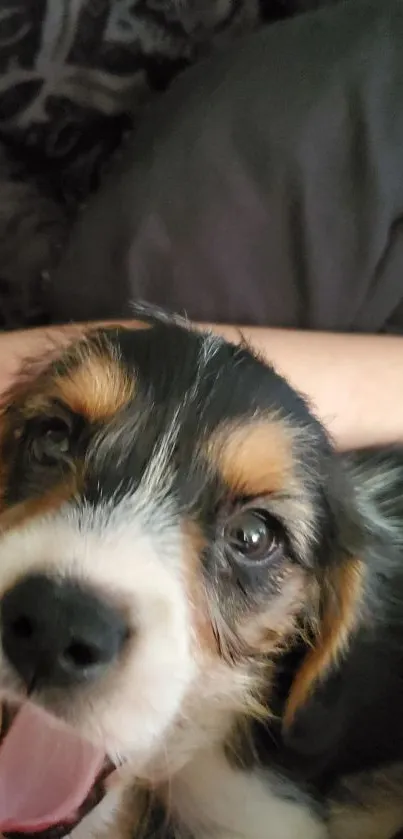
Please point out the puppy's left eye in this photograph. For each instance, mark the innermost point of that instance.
(252, 536)
(51, 441)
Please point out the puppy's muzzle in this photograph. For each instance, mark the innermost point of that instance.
(57, 634)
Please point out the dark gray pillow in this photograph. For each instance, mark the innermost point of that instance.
(74, 78)
(266, 188)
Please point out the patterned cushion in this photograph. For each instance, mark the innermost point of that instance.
(71, 71)
(74, 75)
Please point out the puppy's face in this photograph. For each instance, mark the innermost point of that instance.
(170, 520)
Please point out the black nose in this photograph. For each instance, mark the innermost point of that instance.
(55, 633)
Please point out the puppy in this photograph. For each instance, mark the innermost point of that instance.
(200, 602)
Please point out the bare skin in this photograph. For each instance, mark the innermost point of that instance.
(352, 381)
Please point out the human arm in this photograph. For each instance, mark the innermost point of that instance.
(353, 382)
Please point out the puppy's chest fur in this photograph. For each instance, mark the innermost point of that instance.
(209, 799)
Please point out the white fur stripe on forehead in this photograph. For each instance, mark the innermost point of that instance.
(115, 441)
(158, 474)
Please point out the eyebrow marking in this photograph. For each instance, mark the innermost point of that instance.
(255, 458)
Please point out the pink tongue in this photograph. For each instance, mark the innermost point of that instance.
(46, 772)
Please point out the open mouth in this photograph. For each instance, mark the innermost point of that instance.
(50, 777)
(58, 831)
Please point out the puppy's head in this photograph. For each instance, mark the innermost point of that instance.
(172, 518)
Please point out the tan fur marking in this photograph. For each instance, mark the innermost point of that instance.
(23, 512)
(196, 594)
(90, 380)
(97, 389)
(255, 459)
(341, 595)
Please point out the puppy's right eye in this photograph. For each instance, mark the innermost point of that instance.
(50, 442)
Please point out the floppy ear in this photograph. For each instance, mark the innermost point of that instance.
(334, 607)
(339, 611)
